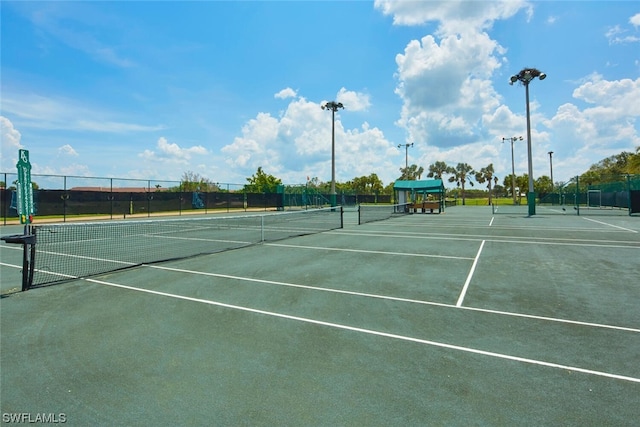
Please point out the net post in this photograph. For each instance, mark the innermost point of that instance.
(27, 240)
(578, 195)
(341, 216)
(261, 228)
(28, 253)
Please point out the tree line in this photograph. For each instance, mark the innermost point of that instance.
(463, 175)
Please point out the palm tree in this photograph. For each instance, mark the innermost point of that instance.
(460, 176)
(486, 175)
(437, 169)
(411, 173)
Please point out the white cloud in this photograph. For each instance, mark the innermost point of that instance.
(615, 35)
(286, 93)
(621, 95)
(453, 16)
(445, 86)
(605, 128)
(353, 101)
(635, 20)
(67, 150)
(298, 144)
(10, 138)
(444, 79)
(172, 153)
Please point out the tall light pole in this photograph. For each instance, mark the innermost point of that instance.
(551, 168)
(333, 106)
(406, 156)
(525, 76)
(513, 166)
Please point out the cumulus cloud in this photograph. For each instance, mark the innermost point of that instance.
(297, 144)
(604, 128)
(453, 16)
(444, 78)
(635, 20)
(10, 138)
(353, 101)
(445, 86)
(621, 95)
(451, 109)
(67, 150)
(286, 93)
(172, 153)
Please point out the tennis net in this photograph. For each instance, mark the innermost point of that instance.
(75, 250)
(369, 213)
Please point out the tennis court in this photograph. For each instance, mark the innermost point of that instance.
(459, 318)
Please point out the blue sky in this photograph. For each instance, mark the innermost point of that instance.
(151, 90)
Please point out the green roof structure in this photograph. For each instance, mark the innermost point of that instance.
(429, 186)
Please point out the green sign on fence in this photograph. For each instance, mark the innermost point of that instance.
(24, 188)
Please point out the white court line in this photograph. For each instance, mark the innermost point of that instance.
(377, 333)
(456, 225)
(10, 265)
(505, 239)
(469, 276)
(323, 248)
(362, 294)
(491, 222)
(610, 225)
(391, 298)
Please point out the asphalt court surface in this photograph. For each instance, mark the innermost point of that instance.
(462, 318)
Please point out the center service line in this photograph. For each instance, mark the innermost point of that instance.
(473, 268)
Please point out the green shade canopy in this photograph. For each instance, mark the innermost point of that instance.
(425, 186)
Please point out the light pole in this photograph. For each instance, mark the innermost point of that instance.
(513, 166)
(525, 76)
(406, 157)
(333, 106)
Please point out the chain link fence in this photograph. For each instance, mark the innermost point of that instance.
(68, 197)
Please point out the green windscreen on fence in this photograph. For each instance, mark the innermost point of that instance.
(601, 195)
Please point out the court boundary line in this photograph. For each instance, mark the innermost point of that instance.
(365, 251)
(469, 276)
(362, 294)
(610, 225)
(376, 333)
(388, 297)
(391, 298)
(502, 239)
(506, 227)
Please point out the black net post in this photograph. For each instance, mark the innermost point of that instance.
(28, 242)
